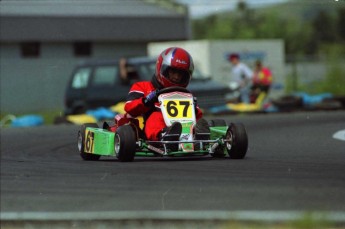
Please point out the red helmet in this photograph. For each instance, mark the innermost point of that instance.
(174, 60)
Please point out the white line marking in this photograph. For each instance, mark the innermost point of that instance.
(262, 216)
(163, 198)
(340, 135)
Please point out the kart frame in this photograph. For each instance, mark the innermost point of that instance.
(125, 138)
(94, 142)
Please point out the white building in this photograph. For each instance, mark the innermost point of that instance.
(41, 41)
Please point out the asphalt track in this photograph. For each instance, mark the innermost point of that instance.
(294, 164)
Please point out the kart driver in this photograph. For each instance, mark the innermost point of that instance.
(174, 67)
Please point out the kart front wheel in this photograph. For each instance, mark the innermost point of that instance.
(237, 138)
(125, 143)
(81, 143)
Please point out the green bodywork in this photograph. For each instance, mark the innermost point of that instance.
(218, 132)
(101, 142)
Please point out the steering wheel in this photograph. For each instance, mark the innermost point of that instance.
(172, 89)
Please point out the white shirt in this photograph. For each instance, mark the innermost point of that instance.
(241, 74)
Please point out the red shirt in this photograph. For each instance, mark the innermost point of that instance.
(263, 77)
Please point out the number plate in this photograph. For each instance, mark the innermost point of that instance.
(89, 141)
(178, 109)
(177, 106)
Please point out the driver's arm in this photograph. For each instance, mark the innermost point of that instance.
(198, 112)
(134, 104)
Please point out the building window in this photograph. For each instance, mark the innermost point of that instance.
(82, 48)
(30, 49)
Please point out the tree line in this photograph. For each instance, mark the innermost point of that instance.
(307, 29)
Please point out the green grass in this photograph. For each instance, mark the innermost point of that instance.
(49, 116)
(308, 221)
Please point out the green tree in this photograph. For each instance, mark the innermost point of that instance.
(341, 24)
(305, 27)
(323, 27)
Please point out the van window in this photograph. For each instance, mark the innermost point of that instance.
(81, 78)
(105, 76)
(147, 70)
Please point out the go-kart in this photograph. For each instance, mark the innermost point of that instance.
(125, 139)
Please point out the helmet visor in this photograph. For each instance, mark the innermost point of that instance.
(175, 75)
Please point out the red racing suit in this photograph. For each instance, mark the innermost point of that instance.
(153, 118)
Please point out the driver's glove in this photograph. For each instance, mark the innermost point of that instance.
(150, 99)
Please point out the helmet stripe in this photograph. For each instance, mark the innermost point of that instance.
(173, 52)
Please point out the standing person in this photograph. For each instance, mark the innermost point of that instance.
(262, 78)
(123, 71)
(128, 74)
(174, 67)
(242, 75)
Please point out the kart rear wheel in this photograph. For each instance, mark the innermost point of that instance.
(217, 122)
(125, 143)
(81, 142)
(238, 141)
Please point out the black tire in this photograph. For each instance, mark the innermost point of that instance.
(79, 110)
(125, 143)
(81, 141)
(340, 99)
(328, 104)
(238, 145)
(217, 122)
(288, 102)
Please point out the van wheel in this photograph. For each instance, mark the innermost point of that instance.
(79, 110)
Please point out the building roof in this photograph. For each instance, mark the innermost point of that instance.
(115, 20)
(79, 8)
